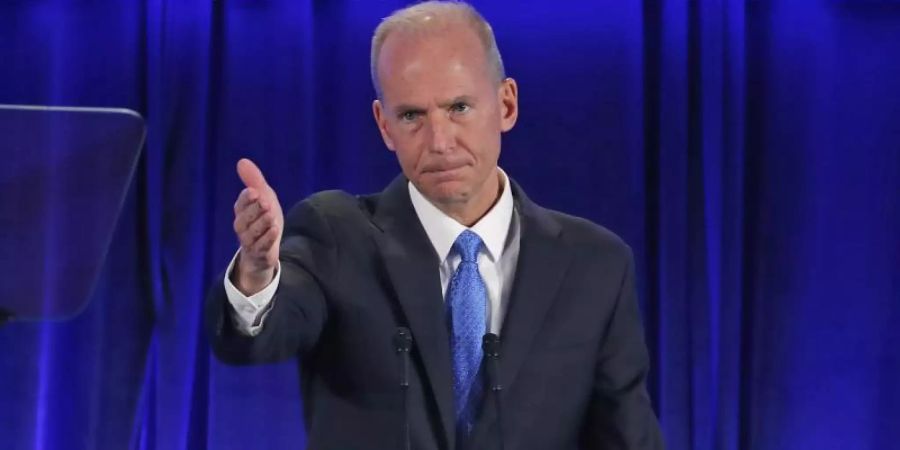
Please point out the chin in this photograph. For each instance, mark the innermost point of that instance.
(447, 192)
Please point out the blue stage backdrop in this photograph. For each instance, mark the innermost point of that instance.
(748, 150)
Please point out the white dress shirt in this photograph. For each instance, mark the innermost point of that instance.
(499, 229)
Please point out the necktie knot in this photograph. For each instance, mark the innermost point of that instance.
(467, 245)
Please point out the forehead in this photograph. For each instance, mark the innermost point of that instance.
(445, 59)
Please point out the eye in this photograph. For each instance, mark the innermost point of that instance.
(409, 116)
(460, 107)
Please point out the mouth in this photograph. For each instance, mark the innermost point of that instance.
(444, 167)
(445, 172)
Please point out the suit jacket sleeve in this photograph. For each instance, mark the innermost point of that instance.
(620, 414)
(299, 310)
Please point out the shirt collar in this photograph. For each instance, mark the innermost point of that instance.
(442, 230)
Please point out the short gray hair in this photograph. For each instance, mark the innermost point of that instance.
(427, 15)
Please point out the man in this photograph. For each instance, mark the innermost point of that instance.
(452, 249)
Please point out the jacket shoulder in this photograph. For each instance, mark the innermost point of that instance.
(583, 233)
(329, 204)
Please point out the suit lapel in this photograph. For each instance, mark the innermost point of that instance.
(540, 269)
(413, 269)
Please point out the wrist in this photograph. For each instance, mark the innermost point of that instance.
(249, 280)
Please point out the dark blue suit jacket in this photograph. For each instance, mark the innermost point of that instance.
(354, 268)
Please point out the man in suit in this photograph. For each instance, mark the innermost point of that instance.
(451, 249)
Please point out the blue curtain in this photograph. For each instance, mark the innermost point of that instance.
(748, 150)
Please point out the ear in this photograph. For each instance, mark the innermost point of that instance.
(381, 121)
(509, 104)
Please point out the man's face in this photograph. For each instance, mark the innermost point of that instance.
(442, 112)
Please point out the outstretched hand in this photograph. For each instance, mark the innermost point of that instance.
(258, 223)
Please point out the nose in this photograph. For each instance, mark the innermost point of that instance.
(442, 133)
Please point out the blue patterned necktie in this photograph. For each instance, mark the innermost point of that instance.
(466, 302)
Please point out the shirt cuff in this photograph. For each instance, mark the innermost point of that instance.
(249, 313)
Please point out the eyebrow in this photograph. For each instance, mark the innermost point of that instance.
(404, 108)
(459, 99)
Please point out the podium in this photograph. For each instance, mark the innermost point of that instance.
(64, 174)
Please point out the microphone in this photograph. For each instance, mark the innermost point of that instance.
(402, 345)
(490, 345)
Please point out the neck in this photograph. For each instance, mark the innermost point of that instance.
(470, 212)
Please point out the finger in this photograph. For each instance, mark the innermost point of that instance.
(259, 226)
(257, 247)
(250, 214)
(245, 198)
(265, 242)
(249, 234)
(250, 175)
(247, 240)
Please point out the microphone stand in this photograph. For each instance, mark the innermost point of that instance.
(402, 345)
(490, 345)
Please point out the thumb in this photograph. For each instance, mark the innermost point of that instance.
(251, 175)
